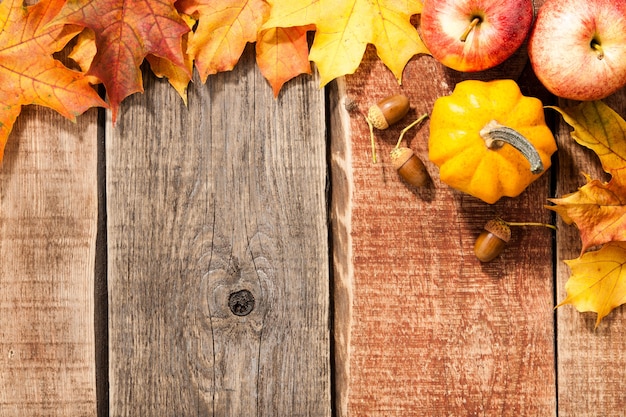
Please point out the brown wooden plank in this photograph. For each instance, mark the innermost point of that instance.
(591, 362)
(203, 203)
(48, 207)
(421, 326)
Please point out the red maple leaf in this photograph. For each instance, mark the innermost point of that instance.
(126, 31)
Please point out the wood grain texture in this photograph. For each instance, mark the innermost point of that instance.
(225, 196)
(591, 362)
(48, 217)
(421, 326)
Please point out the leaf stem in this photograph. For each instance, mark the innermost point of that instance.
(406, 129)
(550, 226)
(371, 126)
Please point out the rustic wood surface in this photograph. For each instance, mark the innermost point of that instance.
(48, 219)
(206, 205)
(591, 363)
(203, 203)
(431, 330)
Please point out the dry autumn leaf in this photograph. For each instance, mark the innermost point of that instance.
(126, 31)
(29, 74)
(178, 77)
(601, 129)
(224, 28)
(345, 28)
(598, 280)
(598, 209)
(84, 51)
(282, 54)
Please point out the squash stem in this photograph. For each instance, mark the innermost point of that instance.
(496, 135)
(406, 129)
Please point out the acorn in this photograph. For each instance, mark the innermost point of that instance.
(409, 166)
(491, 242)
(385, 113)
(388, 111)
(496, 234)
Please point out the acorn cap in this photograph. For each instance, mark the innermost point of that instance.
(399, 157)
(499, 228)
(377, 118)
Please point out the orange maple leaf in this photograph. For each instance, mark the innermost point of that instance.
(28, 72)
(598, 209)
(126, 31)
(598, 280)
(224, 28)
(282, 54)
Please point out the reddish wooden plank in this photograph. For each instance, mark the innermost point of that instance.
(422, 327)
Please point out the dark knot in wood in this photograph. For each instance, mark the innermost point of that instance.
(241, 303)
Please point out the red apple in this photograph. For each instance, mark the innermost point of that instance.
(474, 35)
(578, 47)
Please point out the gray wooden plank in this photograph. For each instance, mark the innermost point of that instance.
(222, 200)
(591, 361)
(48, 217)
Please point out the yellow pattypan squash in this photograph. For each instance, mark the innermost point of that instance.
(489, 140)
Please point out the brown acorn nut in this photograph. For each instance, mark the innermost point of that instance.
(388, 111)
(496, 234)
(492, 240)
(385, 113)
(409, 166)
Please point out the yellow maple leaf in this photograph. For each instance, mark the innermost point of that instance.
(598, 280)
(598, 209)
(601, 129)
(345, 28)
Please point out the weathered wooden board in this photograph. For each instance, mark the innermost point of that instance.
(48, 219)
(207, 207)
(591, 361)
(422, 327)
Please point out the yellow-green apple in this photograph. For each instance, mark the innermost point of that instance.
(474, 35)
(578, 47)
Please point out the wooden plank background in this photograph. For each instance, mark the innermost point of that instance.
(130, 253)
(48, 224)
(421, 326)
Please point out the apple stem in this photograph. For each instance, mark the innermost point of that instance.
(595, 45)
(469, 28)
(420, 119)
(496, 135)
